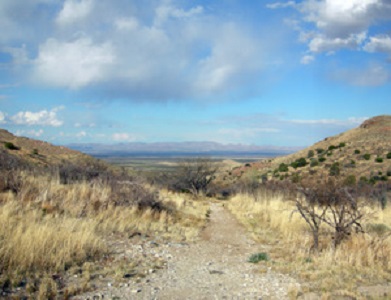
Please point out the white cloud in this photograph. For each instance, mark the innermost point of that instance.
(43, 117)
(81, 134)
(166, 11)
(126, 23)
(2, 117)
(72, 64)
(307, 59)
(331, 25)
(379, 43)
(123, 137)
(322, 43)
(73, 11)
(276, 5)
(31, 133)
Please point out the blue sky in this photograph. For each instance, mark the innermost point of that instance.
(286, 73)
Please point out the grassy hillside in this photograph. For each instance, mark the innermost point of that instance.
(363, 153)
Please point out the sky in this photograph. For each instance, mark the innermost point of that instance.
(262, 72)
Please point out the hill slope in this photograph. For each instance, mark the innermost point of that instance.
(360, 152)
(39, 152)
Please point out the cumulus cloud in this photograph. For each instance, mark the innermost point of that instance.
(155, 50)
(72, 64)
(379, 43)
(336, 24)
(43, 117)
(73, 11)
(81, 134)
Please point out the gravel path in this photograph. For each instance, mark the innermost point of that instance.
(215, 267)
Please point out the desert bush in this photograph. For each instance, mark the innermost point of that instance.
(322, 159)
(257, 257)
(379, 159)
(341, 145)
(194, 176)
(10, 146)
(332, 147)
(319, 150)
(310, 153)
(388, 155)
(350, 180)
(314, 163)
(335, 169)
(367, 156)
(298, 163)
(283, 167)
(357, 151)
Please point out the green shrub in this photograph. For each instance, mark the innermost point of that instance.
(10, 146)
(34, 152)
(329, 153)
(389, 155)
(341, 145)
(352, 162)
(350, 180)
(335, 169)
(389, 173)
(295, 178)
(367, 156)
(379, 159)
(311, 153)
(257, 257)
(322, 159)
(283, 168)
(363, 179)
(314, 163)
(319, 150)
(332, 147)
(357, 151)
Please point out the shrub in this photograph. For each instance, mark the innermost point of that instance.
(332, 147)
(341, 145)
(319, 150)
(379, 159)
(389, 173)
(311, 153)
(301, 162)
(357, 151)
(329, 153)
(283, 168)
(314, 163)
(257, 257)
(367, 156)
(350, 180)
(389, 155)
(322, 159)
(10, 146)
(35, 152)
(335, 169)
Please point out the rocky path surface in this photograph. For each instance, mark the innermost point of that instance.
(215, 267)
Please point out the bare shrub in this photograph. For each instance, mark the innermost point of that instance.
(194, 176)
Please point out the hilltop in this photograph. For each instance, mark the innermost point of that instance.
(362, 153)
(39, 152)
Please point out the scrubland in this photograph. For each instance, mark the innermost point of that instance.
(49, 229)
(362, 259)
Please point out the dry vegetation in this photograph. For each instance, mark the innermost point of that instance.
(361, 259)
(49, 229)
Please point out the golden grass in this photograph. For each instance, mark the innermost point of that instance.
(48, 227)
(364, 259)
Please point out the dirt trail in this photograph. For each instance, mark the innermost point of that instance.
(215, 267)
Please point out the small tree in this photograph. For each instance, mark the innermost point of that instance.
(195, 176)
(311, 153)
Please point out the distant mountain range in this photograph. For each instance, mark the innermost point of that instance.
(178, 148)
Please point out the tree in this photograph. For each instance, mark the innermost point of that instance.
(195, 176)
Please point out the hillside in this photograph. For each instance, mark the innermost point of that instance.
(361, 153)
(39, 152)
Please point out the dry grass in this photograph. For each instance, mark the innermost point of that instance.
(362, 260)
(48, 228)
